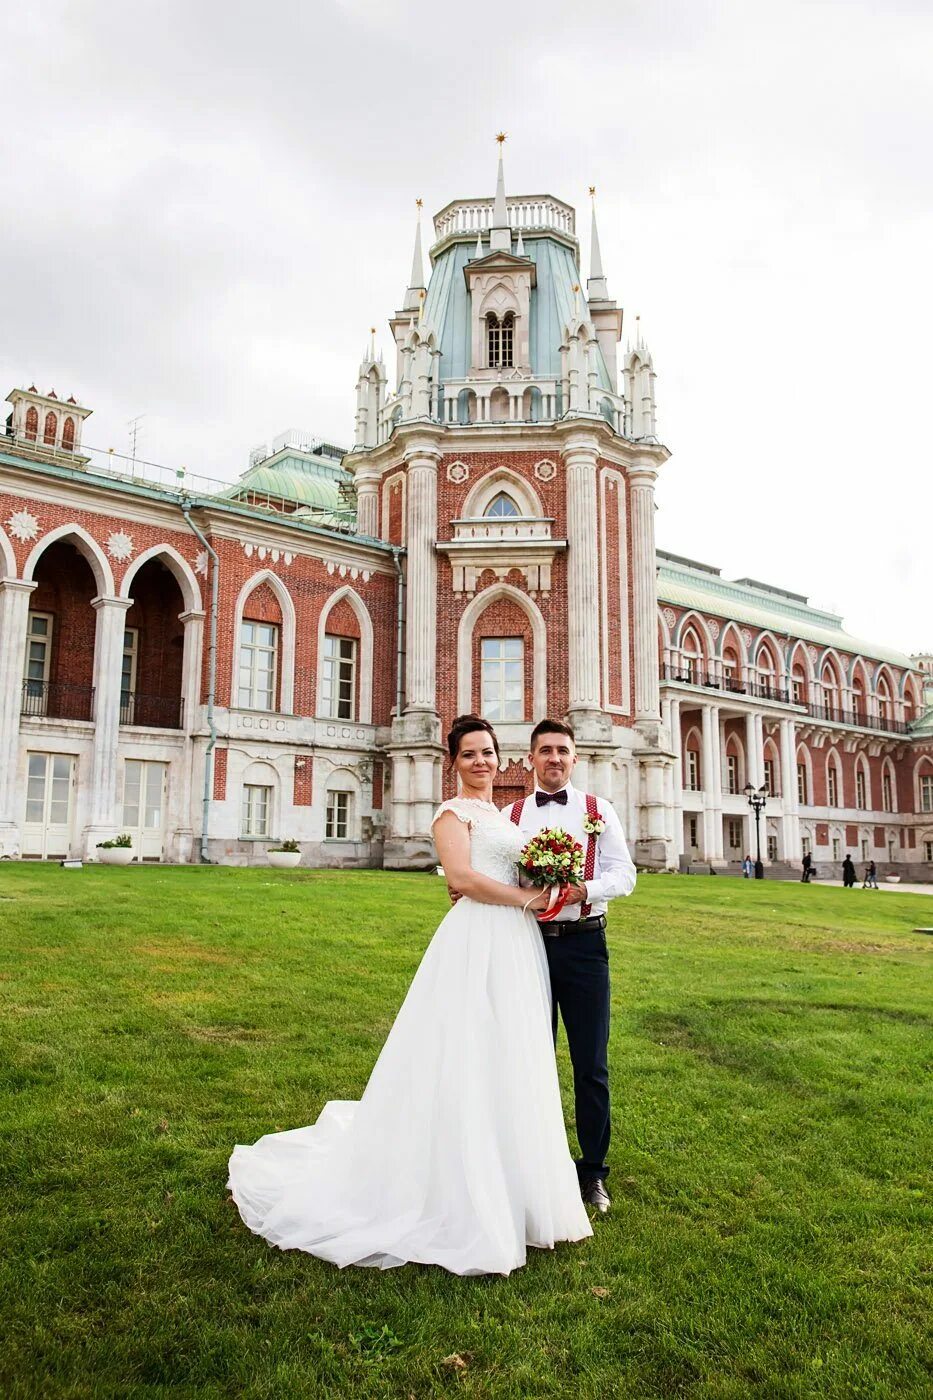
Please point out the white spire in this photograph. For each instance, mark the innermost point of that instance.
(500, 236)
(479, 244)
(519, 246)
(596, 289)
(416, 282)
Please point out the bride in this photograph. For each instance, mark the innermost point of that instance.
(456, 1154)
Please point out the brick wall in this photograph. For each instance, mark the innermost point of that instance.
(65, 588)
(157, 602)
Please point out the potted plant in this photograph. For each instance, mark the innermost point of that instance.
(284, 856)
(118, 851)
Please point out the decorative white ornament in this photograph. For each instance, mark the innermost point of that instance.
(746, 636)
(200, 564)
(331, 566)
(288, 557)
(813, 653)
(275, 556)
(354, 573)
(248, 550)
(545, 470)
(366, 576)
(263, 551)
(120, 545)
(458, 472)
(670, 617)
(713, 626)
(342, 571)
(23, 525)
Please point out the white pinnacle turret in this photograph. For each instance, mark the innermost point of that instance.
(596, 289)
(500, 235)
(416, 282)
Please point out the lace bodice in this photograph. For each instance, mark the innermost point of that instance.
(495, 842)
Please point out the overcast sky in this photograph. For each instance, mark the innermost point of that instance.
(207, 205)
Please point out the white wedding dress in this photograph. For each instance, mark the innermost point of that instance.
(456, 1154)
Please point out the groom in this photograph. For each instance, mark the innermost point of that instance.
(575, 942)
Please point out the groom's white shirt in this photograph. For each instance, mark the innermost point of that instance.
(615, 873)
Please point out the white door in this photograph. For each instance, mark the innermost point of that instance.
(50, 783)
(144, 787)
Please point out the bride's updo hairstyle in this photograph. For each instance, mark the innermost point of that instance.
(468, 724)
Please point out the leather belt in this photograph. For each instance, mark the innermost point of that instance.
(562, 928)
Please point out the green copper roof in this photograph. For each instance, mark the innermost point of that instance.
(295, 476)
(447, 307)
(704, 590)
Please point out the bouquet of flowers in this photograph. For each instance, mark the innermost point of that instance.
(551, 860)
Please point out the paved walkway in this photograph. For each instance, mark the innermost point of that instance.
(882, 885)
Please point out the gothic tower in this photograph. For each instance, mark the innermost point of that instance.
(518, 483)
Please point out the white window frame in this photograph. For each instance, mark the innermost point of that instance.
(694, 771)
(769, 773)
(928, 850)
(861, 790)
(832, 785)
(249, 696)
(338, 825)
(803, 785)
(37, 704)
(256, 812)
(887, 792)
(805, 846)
(128, 693)
(495, 702)
(735, 833)
(926, 792)
(732, 773)
(336, 671)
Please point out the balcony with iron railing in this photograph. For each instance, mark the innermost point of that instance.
(57, 700)
(151, 711)
(765, 690)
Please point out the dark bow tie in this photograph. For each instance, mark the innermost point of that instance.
(543, 798)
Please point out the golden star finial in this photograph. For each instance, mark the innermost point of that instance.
(576, 288)
(501, 137)
(372, 330)
(592, 189)
(419, 203)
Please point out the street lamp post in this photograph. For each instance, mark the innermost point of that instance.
(756, 800)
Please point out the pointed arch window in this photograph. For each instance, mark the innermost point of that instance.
(502, 507)
(68, 435)
(32, 423)
(500, 340)
(51, 429)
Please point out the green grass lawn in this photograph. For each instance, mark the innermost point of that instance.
(769, 1161)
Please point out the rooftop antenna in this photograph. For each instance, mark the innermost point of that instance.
(133, 426)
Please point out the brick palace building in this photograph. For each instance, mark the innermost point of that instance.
(213, 668)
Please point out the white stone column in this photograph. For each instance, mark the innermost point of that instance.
(421, 633)
(716, 738)
(582, 574)
(709, 777)
(108, 661)
(754, 745)
(191, 669)
(14, 621)
(790, 821)
(644, 571)
(677, 790)
(367, 501)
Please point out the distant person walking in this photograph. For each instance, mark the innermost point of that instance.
(871, 876)
(747, 867)
(848, 873)
(807, 869)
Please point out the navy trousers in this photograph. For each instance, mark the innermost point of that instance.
(579, 968)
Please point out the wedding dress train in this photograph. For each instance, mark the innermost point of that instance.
(456, 1154)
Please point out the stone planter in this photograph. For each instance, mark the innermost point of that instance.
(284, 860)
(892, 879)
(116, 855)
